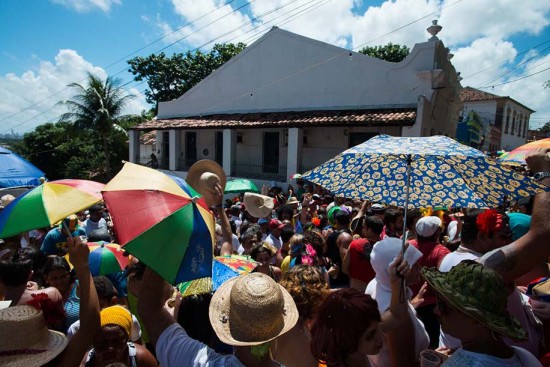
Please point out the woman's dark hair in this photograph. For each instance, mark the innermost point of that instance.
(38, 259)
(341, 321)
(193, 317)
(14, 270)
(391, 215)
(412, 215)
(286, 233)
(257, 250)
(469, 231)
(375, 224)
(55, 263)
(285, 211)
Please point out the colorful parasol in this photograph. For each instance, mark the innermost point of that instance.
(106, 258)
(223, 269)
(421, 172)
(239, 185)
(517, 156)
(160, 223)
(48, 204)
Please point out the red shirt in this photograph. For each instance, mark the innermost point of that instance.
(359, 260)
(432, 255)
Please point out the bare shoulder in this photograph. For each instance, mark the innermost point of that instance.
(144, 357)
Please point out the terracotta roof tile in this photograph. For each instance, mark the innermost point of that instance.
(392, 117)
(469, 94)
(148, 138)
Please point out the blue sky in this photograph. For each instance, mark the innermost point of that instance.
(47, 44)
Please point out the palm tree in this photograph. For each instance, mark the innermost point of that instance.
(97, 106)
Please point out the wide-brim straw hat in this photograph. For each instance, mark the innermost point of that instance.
(292, 201)
(259, 206)
(480, 293)
(25, 340)
(251, 309)
(203, 175)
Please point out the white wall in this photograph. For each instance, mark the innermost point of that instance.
(277, 70)
(511, 141)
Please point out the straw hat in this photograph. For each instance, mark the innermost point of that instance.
(25, 339)
(292, 201)
(251, 309)
(203, 176)
(480, 293)
(6, 200)
(259, 206)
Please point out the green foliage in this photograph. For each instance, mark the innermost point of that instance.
(389, 52)
(75, 146)
(97, 108)
(50, 149)
(170, 77)
(546, 127)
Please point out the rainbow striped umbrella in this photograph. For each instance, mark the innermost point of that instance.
(517, 156)
(167, 228)
(48, 204)
(106, 258)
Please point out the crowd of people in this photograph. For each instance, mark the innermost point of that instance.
(338, 282)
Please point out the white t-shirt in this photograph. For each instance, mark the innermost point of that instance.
(175, 348)
(464, 358)
(135, 336)
(274, 241)
(89, 225)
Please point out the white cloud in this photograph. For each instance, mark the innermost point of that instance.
(83, 6)
(45, 86)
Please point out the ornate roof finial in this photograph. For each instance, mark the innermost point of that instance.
(434, 29)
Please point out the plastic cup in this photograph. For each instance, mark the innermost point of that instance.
(429, 358)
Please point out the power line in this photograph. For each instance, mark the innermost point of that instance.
(506, 60)
(516, 67)
(121, 59)
(515, 80)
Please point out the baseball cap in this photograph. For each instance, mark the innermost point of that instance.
(275, 223)
(427, 226)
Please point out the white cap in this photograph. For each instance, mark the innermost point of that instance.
(427, 226)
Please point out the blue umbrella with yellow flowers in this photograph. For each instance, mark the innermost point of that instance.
(421, 172)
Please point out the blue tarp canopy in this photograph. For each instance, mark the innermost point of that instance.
(17, 171)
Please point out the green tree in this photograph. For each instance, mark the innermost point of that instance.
(97, 107)
(546, 128)
(390, 52)
(170, 77)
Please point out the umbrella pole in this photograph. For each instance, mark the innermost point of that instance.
(407, 189)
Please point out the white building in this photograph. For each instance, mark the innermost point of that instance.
(288, 103)
(504, 113)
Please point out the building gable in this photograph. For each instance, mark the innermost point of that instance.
(283, 71)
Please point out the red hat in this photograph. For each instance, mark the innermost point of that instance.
(275, 223)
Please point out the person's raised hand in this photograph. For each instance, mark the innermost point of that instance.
(538, 160)
(399, 268)
(78, 252)
(418, 300)
(365, 206)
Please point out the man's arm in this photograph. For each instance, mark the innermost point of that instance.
(396, 321)
(343, 241)
(345, 262)
(521, 256)
(89, 306)
(151, 309)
